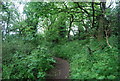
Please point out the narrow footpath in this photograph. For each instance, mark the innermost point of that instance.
(60, 71)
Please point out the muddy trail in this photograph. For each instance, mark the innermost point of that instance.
(60, 70)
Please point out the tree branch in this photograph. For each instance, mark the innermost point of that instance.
(107, 39)
(110, 5)
(82, 8)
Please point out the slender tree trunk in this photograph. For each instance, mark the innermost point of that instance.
(8, 20)
(101, 28)
(93, 14)
(71, 21)
(79, 34)
(62, 31)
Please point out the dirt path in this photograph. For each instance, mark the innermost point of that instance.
(60, 71)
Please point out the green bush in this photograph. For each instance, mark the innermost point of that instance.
(33, 66)
(69, 49)
(9, 48)
(102, 64)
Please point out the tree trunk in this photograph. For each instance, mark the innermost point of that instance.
(71, 21)
(79, 33)
(101, 21)
(8, 20)
(100, 28)
(93, 14)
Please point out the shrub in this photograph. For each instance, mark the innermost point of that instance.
(69, 49)
(9, 48)
(102, 64)
(32, 66)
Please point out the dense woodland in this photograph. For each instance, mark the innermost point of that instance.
(83, 33)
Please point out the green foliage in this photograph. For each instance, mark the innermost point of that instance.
(56, 31)
(32, 66)
(69, 49)
(13, 45)
(115, 42)
(28, 54)
(102, 64)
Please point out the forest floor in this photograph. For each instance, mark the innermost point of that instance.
(60, 71)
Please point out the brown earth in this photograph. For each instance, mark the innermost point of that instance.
(60, 71)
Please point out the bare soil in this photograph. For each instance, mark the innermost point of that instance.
(60, 71)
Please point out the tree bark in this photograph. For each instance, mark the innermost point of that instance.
(8, 19)
(101, 21)
(71, 21)
(100, 28)
(93, 20)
